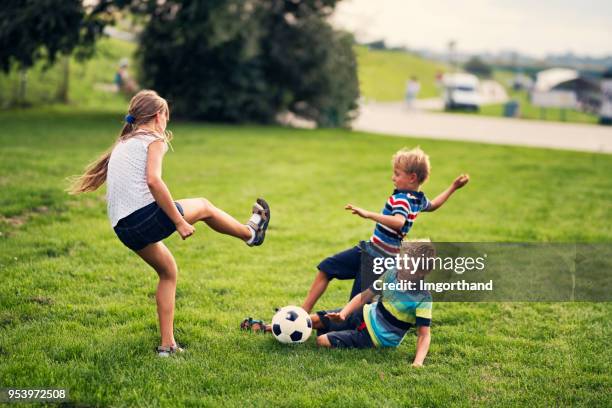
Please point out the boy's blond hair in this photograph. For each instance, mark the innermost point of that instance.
(413, 161)
(424, 249)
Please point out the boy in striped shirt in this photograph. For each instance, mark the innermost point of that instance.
(386, 321)
(410, 170)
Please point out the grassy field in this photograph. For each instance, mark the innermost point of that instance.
(383, 74)
(77, 309)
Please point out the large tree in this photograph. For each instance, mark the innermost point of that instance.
(238, 61)
(31, 30)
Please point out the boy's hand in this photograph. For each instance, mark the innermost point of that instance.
(336, 316)
(185, 229)
(461, 181)
(417, 365)
(356, 210)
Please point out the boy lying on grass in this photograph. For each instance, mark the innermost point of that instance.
(385, 321)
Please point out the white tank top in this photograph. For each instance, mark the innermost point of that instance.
(126, 179)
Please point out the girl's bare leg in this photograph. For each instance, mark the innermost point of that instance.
(159, 257)
(200, 209)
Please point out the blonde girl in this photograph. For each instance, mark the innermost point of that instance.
(141, 209)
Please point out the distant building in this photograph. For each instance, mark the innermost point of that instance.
(565, 88)
(605, 112)
(549, 78)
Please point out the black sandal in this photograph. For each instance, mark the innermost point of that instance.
(253, 325)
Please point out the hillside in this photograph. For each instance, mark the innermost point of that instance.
(383, 74)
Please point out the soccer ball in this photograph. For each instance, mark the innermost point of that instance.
(291, 324)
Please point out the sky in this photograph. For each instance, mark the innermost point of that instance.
(533, 27)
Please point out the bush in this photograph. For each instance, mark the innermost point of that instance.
(477, 67)
(239, 61)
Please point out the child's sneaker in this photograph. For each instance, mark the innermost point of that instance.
(255, 326)
(259, 222)
(167, 351)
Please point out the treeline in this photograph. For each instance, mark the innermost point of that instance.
(216, 60)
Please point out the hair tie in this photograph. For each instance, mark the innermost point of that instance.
(130, 119)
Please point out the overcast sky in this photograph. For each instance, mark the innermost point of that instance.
(534, 27)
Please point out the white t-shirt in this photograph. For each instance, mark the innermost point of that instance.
(126, 179)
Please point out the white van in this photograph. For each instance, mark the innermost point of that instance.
(461, 91)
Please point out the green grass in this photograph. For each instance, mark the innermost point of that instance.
(85, 83)
(383, 74)
(77, 309)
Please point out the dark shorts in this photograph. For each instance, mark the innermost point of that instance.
(343, 265)
(355, 263)
(352, 333)
(145, 226)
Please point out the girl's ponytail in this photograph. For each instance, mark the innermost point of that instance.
(128, 128)
(143, 107)
(95, 173)
(94, 176)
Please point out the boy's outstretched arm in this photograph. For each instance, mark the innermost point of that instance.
(359, 300)
(437, 202)
(395, 222)
(422, 345)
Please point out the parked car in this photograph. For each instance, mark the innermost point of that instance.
(461, 92)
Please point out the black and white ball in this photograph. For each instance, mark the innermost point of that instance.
(291, 324)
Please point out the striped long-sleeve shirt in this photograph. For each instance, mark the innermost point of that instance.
(389, 319)
(406, 203)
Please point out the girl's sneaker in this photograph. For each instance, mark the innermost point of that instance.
(167, 351)
(259, 222)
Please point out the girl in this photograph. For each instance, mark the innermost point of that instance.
(141, 209)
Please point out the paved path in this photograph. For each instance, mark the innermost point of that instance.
(396, 119)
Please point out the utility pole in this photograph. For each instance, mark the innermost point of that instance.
(451, 54)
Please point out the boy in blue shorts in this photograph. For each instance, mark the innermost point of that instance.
(411, 169)
(385, 322)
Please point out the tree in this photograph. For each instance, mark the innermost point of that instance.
(306, 57)
(32, 30)
(247, 61)
(477, 67)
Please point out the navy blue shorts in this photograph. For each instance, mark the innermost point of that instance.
(145, 226)
(354, 263)
(343, 265)
(352, 333)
